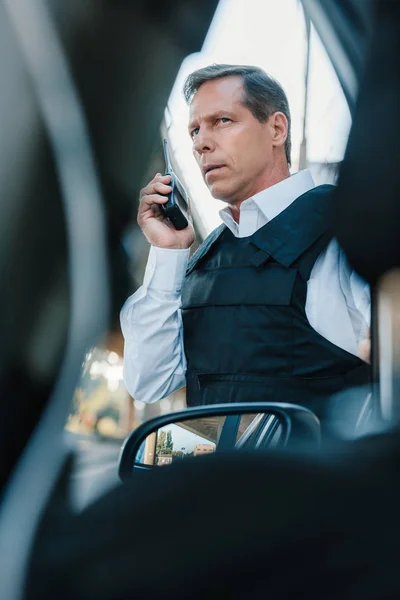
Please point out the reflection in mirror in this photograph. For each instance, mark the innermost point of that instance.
(201, 436)
(176, 441)
(217, 429)
(258, 431)
(245, 422)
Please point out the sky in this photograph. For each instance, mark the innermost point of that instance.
(269, 34)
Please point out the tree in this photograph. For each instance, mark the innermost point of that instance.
(165, 444)
(169, 445)
(161, 439)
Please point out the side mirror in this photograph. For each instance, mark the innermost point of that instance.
(218, 428)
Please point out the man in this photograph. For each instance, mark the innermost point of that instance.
(267, 308)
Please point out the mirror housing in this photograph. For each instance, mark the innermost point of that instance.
(219, 428)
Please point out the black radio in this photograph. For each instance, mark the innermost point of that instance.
(176, 208)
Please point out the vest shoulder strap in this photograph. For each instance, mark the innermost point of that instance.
(298, 228)
(307, 261)
(203, 249)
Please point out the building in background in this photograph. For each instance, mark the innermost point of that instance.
(203, 449)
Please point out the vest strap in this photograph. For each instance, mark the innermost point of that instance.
(203, 249)
(260, 258)
(308, 261)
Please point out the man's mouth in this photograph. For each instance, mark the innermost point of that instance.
(210, 168)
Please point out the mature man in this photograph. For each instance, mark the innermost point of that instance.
(267, 308)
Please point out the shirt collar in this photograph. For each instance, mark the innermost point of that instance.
(275, 199)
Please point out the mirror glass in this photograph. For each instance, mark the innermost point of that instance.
(204, 435)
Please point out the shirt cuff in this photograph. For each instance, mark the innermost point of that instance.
(166, 269)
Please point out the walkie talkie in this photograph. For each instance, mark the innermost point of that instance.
(176, 208)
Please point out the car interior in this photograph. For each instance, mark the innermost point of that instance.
(82, 107)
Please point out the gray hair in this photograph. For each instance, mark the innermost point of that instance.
(263, 94)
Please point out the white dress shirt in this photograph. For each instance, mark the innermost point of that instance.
(337, 304)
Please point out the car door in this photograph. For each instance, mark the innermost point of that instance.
(367, 207)
(359, 188)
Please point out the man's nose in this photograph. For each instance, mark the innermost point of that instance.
(203, 142)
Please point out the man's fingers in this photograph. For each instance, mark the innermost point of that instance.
(148, 200)
(162, 188)
(158, 178)
(152, 197)
(158, 186)
(163, 178)
(364, 350)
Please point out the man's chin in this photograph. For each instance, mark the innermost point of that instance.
(220, 192)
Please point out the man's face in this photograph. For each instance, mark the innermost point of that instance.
(235, 152)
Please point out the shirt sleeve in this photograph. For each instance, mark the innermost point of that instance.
(358, 299)
(362, 297)
(151, 323)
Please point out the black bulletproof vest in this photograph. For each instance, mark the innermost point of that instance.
(246, 333)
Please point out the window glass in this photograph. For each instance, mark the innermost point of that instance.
(242, 36)
(242, 32)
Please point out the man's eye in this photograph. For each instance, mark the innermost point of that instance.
(224, 120)
(195, 131)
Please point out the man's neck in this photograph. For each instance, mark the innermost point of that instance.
(266, 182)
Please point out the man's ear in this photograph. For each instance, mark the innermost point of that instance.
(279, 125)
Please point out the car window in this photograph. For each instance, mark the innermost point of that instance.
(320, 117)
(101, 405)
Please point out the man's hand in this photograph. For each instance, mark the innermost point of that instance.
(364, 347)
(152, 221)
